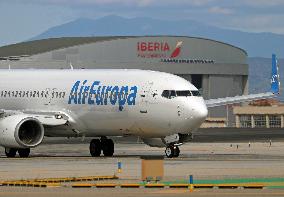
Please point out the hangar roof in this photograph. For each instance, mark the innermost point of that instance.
(46, 45)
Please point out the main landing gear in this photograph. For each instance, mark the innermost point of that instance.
(104, 145)
(23, 152)
(172, 151)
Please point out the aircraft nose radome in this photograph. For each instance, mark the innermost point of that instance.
(202, 112)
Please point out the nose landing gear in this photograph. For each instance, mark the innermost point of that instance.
(172, 151)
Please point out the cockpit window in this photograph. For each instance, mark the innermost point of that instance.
(183, 93)
(169, 94)
(195, 93)
(166, 94)
(172, 94)
(180, 93)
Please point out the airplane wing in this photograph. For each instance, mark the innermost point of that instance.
(46, 118)
(275, 84)
(50, 118)
(238, 99)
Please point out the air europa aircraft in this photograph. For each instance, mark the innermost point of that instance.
(162, 109)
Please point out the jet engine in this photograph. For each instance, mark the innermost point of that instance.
(20, 131)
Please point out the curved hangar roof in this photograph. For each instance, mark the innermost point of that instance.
(188, 54)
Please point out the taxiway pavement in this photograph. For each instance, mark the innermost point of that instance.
(202, 160)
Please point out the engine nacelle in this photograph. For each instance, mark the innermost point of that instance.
(20, 131)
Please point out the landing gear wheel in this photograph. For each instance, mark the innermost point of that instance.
(10, 152)
(176, 151)
(95, 148)
(24, 152)
(172, 151)
(108, 147)
(169, 151)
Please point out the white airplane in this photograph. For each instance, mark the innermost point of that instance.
(160, 108)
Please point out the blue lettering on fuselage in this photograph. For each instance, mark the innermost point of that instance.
(97, 94)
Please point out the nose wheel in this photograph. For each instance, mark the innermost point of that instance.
(172, 151)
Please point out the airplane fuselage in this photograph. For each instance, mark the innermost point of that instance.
(105, 102)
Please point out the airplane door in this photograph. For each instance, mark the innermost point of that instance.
(148, 96)
(50, 95)
(46, 95)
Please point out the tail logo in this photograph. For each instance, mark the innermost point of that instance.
(275, 83)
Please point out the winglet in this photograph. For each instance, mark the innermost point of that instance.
(275, 83)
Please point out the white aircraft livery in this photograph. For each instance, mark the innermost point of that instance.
(160, 108)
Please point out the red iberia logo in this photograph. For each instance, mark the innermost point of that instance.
(157, 50)
(177, 50)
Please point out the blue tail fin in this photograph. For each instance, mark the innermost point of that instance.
(275, 83)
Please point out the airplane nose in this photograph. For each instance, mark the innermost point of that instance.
(199, 112)
(196, 114)
(202, 112)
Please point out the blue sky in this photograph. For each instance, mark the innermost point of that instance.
(23, 19)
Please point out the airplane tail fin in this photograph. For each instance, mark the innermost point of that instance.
(275, 83)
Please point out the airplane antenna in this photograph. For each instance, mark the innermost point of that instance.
(9, 67)
(71, 66)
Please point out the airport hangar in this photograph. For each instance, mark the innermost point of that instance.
(218, 69)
